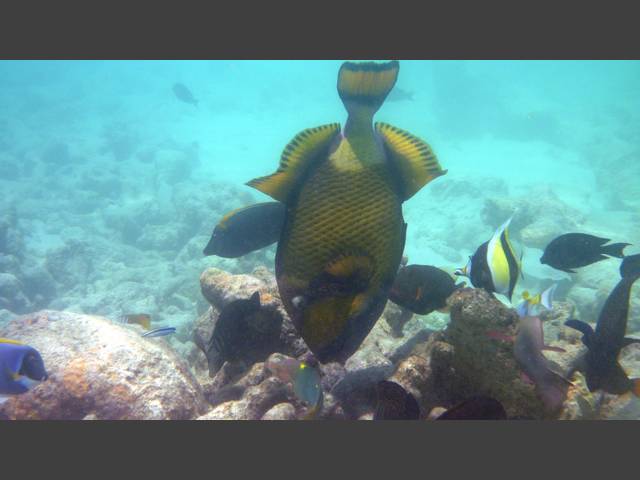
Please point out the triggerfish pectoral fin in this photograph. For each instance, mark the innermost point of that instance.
(299, 155)
(416, 163)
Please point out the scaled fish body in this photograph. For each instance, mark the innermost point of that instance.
(21, 367)
(422, 288)
(602, 370)
(494, 265)
(574, 250)
(246, 229)
(528, 346)
(344, 233)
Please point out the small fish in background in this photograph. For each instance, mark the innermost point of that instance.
(575, 250)
(475, 408)
(395, 403)
(160, 332)
(533, 306)
(183, 94)
(21, 368)
(399, 95)
(227, 337)
(305, 379)
(600, 364)
(422, 288)
(494, 265)
(247, 229)
(142, 319)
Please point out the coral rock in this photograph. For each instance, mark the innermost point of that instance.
(103, 370)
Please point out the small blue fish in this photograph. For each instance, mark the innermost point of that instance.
(160, 332)
(21, 367)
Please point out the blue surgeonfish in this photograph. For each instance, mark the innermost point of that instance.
(494, 265)
(533, 306)
(21, 367)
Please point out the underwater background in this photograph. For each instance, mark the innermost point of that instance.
(111, 184)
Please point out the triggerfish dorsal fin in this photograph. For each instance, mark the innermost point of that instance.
(298, 156)
(365, 85)
(414, 159)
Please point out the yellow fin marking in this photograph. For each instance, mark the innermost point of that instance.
(12, 342)
(298, 156)
(416, 161)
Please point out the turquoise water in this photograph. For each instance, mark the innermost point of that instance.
(89, 148)
(111, 185)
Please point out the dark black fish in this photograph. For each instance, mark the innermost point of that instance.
(245, 332)
(601, 367)
(183, 94)
(422, 288)
(398, 95)
(476, 408)
(395, 403)
(246, 229)
(574, 250)
(528, 346)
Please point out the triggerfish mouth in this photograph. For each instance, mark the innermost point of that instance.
(21, 367)
(343, 233)
(602, 370)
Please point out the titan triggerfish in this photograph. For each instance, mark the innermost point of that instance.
(344, 233)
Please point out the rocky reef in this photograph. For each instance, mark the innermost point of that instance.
(104, 370)
(101, 370)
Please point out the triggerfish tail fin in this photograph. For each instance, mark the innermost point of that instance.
(630, 267)
(365, 85)
(414, 159)
(583, 327)
(615, 249)
(299, 155)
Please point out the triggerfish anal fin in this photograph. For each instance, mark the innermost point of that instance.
(298, 156)
(416, 162)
